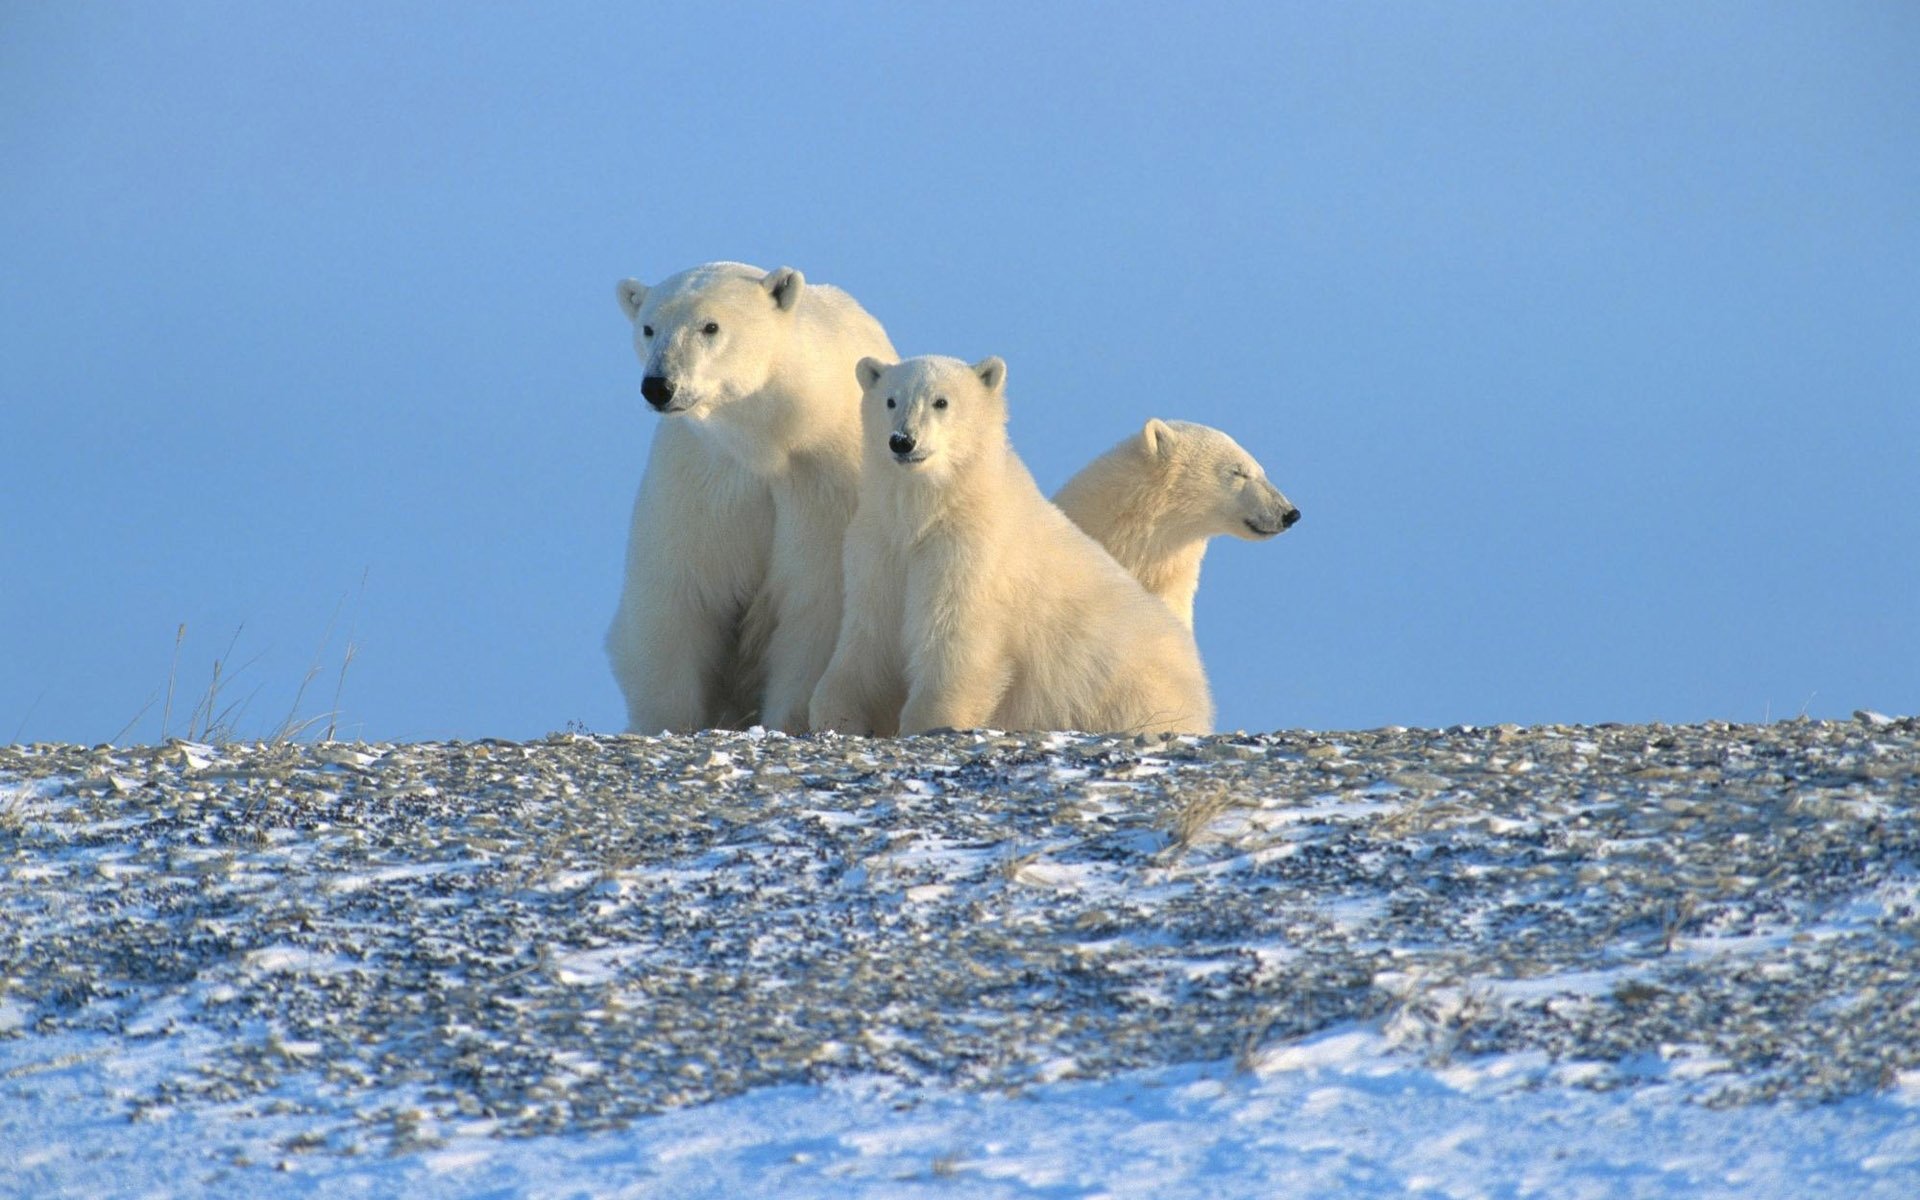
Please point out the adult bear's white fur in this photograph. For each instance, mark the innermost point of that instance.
(732, 594)
(971, 600)
(1155, 499)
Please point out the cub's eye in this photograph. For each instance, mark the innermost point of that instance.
(939, 401)
(889, 401)
(1241, 473)
(710, 328)
(647, 329)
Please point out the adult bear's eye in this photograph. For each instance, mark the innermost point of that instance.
(939, 401)
(710, 328)
(647, 329)
(889, 401)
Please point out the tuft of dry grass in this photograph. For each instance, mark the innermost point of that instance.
(1246, 1055)
(333, 714)
(215, 717)
(1013, 862)
(1675, 915)
(1196, 811)
(173, 670)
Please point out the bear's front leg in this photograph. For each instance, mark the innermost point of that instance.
(956, 672)
(836, 704)
(805, 583)
(698, 547)
(952, 700)
(863, 687)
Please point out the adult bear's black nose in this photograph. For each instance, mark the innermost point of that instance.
(900, 443)
(657, 390)
(1289, 517)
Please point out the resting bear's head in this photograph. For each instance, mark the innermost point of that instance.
(931, 415)
(710, 335)
(1210, 484)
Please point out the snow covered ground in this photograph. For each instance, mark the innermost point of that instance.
(1618, 961)
(1337, 1114)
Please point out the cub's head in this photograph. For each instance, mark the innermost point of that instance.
(931, 415)
(708, 336)
(1212, 485)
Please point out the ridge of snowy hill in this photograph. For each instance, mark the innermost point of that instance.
(971, 963)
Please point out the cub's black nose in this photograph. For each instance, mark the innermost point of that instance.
(657, 390)
(900, 443)
(1289, 517)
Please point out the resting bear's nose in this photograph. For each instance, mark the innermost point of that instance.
(657, 390)
(900, 443)
(1289, 517)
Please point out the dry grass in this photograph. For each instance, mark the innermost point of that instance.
(1195, 812)
(333, 714)
(1433, 1013)
(1013, 862)
(173, 670)
(1246, 1055)
(215, 717)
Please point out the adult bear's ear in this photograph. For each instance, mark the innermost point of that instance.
(992, 372)
(632, 295)
(868, 372)
(784, 285)
(1156, 438)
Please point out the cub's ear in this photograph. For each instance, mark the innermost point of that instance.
(992, 372)
(784, 285)
(868, 372)
(632, 295)
(1156, 438)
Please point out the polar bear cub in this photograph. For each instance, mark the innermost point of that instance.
(731, 600)
(1156, 498)
(970, 599)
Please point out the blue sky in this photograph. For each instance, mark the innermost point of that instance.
(1584, 336)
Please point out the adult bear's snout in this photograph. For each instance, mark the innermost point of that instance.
(657, 390)
(900, 443)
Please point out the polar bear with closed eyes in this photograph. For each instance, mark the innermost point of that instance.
(731, 599)
(1155, 499)
(971, 601)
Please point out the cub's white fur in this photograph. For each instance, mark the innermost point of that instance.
(971, 600)
(732, 594)
(1155, 499)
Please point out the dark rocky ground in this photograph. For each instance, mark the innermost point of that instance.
(567, 934)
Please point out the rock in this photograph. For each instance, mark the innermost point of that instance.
(458, 927)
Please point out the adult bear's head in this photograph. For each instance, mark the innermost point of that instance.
(1207, 485)
(710, 335)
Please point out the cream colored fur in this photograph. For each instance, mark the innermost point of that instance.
(971, 600)
(731, 601)
(1155, 499)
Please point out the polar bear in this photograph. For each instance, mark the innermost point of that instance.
(1155, 499)
(731, 600)
(971, 600)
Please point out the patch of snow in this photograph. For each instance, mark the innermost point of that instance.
(295, 959)
(394, 874)
(1584, 984)
(1057, 875)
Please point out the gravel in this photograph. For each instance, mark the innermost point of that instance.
(565, 935)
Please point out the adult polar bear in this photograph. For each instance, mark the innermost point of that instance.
(971, 600)
(731, 601)
(1155, 499)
